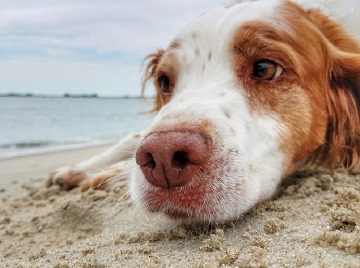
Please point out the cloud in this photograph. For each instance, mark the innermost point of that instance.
(110, 25)
(82, 40)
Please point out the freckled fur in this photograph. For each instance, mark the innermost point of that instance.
(310, 107)
(259, 130)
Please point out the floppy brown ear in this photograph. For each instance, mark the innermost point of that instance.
(343, 135)
(342, 147)
(152, 60)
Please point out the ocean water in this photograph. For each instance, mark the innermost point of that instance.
(34, 125)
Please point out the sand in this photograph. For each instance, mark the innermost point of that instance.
(313, 221)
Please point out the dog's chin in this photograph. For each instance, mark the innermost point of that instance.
(183, 217)
(182, 208)
(177, 215)
(209, 199)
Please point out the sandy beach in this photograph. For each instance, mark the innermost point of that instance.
(313, 221)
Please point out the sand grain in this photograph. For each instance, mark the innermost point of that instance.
(313, 221)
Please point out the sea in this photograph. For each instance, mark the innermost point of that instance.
(33, 125)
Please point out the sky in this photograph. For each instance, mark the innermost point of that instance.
(86, 46)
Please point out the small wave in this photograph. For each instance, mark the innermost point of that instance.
(32, 148)
(24, 145)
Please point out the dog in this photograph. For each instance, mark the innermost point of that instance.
(245, 95)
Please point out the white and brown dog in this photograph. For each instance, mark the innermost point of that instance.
(245, 94)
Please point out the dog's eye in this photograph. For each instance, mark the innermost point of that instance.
(164, 83)
(266, 70)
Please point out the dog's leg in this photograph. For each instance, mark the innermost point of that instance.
(72, 176)
(108, 178)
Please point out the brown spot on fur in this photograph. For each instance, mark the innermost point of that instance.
(175, 44)
(75, 180)
(72, 180)
(197, 51)
(226, 113)
(108, 178)
(203, 66)
(98, 183)
(209, 56)
(316, 109)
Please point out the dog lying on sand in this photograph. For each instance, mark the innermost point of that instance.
(246, 94)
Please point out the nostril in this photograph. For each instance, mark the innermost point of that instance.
(150, 161)
(180, 160)
(172, 158)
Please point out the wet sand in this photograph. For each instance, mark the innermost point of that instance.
(313, 221)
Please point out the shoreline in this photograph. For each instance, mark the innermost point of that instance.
(21, 168)
(54, 149)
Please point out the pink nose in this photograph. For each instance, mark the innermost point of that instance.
(171, 158)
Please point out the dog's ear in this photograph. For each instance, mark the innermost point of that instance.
(343, 136)
(342, 147)
(152, 61)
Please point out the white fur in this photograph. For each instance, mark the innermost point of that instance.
(253, 173)
(123, 150)
(247, 145)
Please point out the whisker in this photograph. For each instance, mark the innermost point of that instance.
(121, 177)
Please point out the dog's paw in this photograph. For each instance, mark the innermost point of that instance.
(103, 181)
(109, 178)
(66, 177)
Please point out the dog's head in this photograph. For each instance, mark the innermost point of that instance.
(244, 94)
